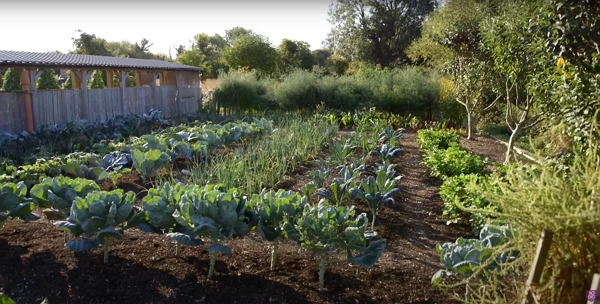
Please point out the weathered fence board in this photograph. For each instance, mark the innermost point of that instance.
(63, 106)
(12, 115)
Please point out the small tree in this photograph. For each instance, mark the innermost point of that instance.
(97, 80)
(11, 81)
(47, 81)
(68, 84)
(519, 55)
(252, 51)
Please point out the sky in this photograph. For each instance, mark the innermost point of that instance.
(36, 26)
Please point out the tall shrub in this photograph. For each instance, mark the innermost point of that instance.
(47, 81)
(11, 81)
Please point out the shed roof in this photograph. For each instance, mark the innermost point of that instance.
(52, 60)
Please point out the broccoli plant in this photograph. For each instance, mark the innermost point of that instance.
(58, 193)
(157, 215)
(147, 163)
(326, 230)
(214, 214)
(14, 204)
(98, 214)
(376, 191)
(273, 208)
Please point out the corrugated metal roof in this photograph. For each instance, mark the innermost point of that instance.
(18, 58)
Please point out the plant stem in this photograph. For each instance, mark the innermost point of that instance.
(177, 248)
(66, 235)
(274, 253)
(213, 261)
(105, 248)
(373, 222)
(322, 267)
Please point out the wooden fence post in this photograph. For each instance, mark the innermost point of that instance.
(595, 287)
(538, 266)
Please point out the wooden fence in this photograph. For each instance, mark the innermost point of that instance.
(63, 106)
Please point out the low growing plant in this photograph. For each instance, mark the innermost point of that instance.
(326, 230)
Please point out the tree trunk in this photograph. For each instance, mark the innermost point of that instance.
(516, 133)
(469, 124)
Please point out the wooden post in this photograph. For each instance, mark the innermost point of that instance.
(75, 81)
(109, 78)
(153, 76)
(538, 266)
(595, 286)
(138, 79)
(84, 76)
(122, 83)
(27, 104)
(179, 79)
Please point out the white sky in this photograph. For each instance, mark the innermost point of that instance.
(35, 26)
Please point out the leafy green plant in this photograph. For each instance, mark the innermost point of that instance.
(273, 210)
(340, 153)
(147, 163)
(387, 152)
(465, 257)
(96, 174)
(98, 214)
(14, 204)
(214, 214)
(157, 216)
(454, 161)
(437, 139)
(376, 191)
(388, 135)
(456, 195)
(340, 188)
(326, 229)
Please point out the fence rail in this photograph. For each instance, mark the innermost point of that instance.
(63, 106)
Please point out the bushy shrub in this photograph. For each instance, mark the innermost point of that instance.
(11, 81)
(242, 91)
(298, 90)
(345, 93)
(47, 81)
(538, 197)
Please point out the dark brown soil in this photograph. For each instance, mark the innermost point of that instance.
(143, 268)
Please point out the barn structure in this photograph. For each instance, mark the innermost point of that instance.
(171, 88)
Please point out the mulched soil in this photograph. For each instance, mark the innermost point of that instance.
(143, 268)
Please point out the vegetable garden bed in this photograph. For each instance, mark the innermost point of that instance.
(143, 267)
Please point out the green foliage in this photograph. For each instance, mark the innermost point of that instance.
(298, 90)
(454, 161)
(457, 197)
(47, 81)
(215, 214)
(253, 52)
(326, 229)
(537, 197)
(98, 215)
(295, 54)
(68, 84)
(430, 139)
(14, 204)
(98, 80)
(60, 192)
(11, 81)
(376, 31)
(240, 91)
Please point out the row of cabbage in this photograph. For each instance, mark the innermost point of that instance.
(146, 154)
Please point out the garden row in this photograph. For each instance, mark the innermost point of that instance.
(193, 215)
(464, 177)
(146, 154)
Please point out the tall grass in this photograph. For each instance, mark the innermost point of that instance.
(409, 90)
(264, 162)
